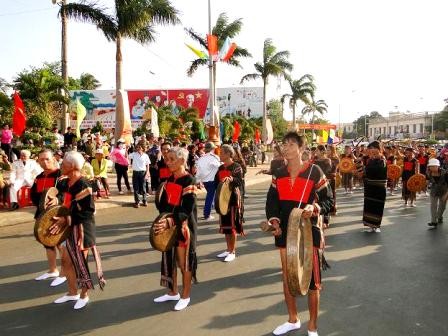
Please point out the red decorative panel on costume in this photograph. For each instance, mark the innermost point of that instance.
(67, 200)
(288, 192)
(423, 160)
(44, 183)
(164, 173)
(409, 166)
(174, 193)
(222, 174)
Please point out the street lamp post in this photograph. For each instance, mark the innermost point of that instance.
(62, 3)
(212, 130)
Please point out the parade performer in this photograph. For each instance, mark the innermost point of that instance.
(334, 157)
(347, 178)
(298, 184)
(231, 224)
(277, 162)
(422, 158)
(45, 180)
(162, 169)
(438, 179)
(375, 179)
(390, 160)
(179, 199)
(410, 167)
(321, 160)
(79, 200)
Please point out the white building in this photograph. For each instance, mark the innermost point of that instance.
(401, 125)
(345, 127)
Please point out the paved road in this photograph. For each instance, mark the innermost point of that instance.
(392, 283)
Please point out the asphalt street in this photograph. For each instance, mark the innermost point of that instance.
(388, 283)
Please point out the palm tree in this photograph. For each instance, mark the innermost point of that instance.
(314, 106)
(302, 91)
(223, 29)
(133, 19)
(89, 82)
(274, 64)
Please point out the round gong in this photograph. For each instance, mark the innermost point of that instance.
(393, 171)
(222, 198)
(416, 183)
(346, 165)
(45, 221)
(165, 240)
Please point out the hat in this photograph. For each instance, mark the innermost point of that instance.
(99, 151)
(121, 140)
(209, 146)
(433, 162)
(59, 152)
(374, 144)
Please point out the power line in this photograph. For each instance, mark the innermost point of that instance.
(27, 11)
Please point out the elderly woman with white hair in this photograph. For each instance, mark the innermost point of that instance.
(178, 198)
(23, 173)
(78, 199)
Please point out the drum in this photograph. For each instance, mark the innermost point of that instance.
(222, 198)
(346, 165)
(299, 253)
(45, 221)
(393, 172)
(159, 193)
(165, 240)
(416, 183)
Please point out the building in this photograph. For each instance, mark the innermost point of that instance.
(402, 125)
(346, 128)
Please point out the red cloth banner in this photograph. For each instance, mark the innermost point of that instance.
(212, 41)
(319, 127)
(19, 118)
(236, 131)
(257, 136)
(140, 107)
(229, 53)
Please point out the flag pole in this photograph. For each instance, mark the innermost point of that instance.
(212, 130)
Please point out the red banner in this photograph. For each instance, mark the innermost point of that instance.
(140, 109)
(316, 127)
(18, 118)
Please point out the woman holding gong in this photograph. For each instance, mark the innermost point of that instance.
(299, 184)
(178, 198)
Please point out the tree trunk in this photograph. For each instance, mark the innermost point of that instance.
(119, 108)
(264, 132)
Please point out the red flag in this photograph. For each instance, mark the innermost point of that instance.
(212, 41)
(229, 53)
(257, 136)
(236, 131)
(18, 119)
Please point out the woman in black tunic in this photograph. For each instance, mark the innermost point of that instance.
(232, 223)
(410, 168)
(179, 198)
(375, 179)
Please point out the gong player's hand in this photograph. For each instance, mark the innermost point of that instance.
(308, 211)
(277, 229)
(59, 223)
(161, 226)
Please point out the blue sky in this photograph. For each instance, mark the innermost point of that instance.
(365, 55)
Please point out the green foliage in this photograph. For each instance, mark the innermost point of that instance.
(6, 109)
(97, 128)
(39, 120)
(279, 124)
(359, 125)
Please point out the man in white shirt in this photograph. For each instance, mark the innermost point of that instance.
(59, 138)
(207, 167)
(140, 172)
(23, 173)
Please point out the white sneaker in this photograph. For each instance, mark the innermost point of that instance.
(230, 257)
(58, 281)
(286, 327)
(210, 218)
(312, 333)
(223, 254)
(351, 192)
(120, 193)
(67, 298)
(81, 303)
(182, 304)
(377, 230)
(413, 205)
(167, 297)
(47, 275)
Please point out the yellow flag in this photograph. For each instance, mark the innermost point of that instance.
(324, 136)
(198, 53)
(80, 115)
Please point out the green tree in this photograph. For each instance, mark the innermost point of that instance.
(312, 107)
(274, 64)
(223, 29)
(89, 82)
(361, 125)
(6, 109)
(302, 91)
(132, 19)
(42, 91)
(275, 113)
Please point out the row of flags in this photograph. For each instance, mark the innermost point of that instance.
(224, 54)
(327, 137)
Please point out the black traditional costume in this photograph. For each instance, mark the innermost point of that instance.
(232, 222)
(79, 200)
(347, 178)
(375, 179)
(309, 187)
(179, 198)
(409, 167)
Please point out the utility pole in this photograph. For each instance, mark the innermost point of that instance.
(212, 130)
